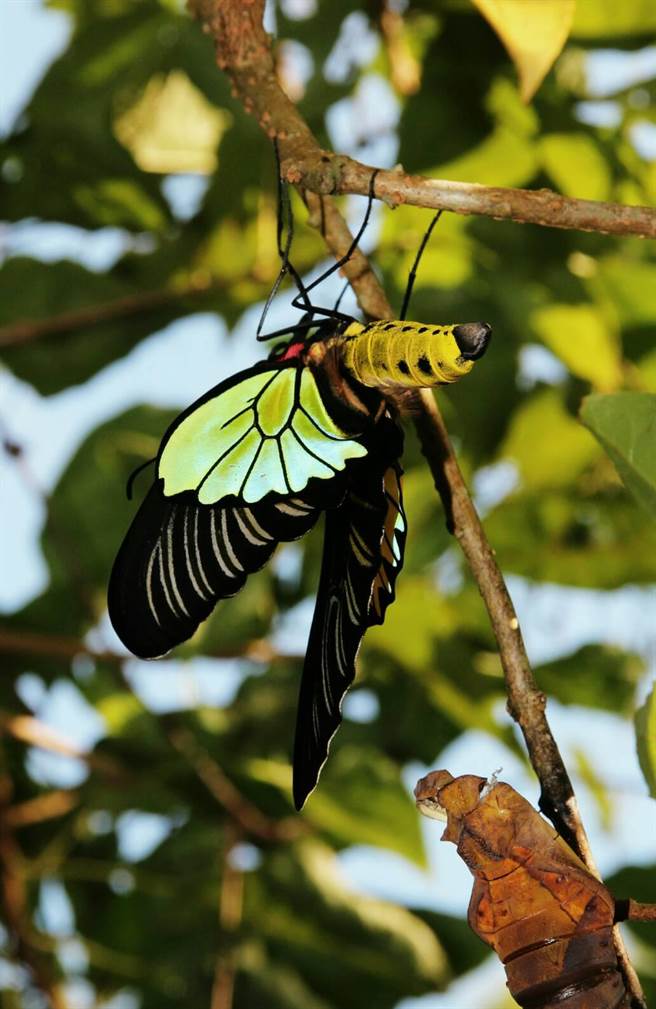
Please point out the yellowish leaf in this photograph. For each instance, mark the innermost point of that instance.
(172, 127)
(581, 338)
(533, 32)
(548, 446)
(576, 164)
(645, 720)
(606, 19)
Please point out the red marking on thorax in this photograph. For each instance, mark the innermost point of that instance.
(295, 349)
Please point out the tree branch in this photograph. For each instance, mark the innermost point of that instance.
(60, 646)
(244, 53)
(27, 330)
(524, 206)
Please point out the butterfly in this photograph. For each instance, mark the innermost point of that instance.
(255, 462)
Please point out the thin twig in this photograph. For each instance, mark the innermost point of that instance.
(60, 646)
(16, 911)
(48, 806)
(241, 810)
(231, 905)
(30, 730)
(27, 330)
(243, 51)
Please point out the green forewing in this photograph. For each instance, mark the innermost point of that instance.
(269, 432)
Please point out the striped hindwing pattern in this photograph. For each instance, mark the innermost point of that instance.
(364, 541)
(180, 557)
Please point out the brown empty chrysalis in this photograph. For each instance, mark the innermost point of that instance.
(534, 902)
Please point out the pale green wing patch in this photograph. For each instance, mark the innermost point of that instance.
(269, 433)
(207, 434)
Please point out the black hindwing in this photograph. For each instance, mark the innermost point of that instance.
(364, 541)
(180, 557)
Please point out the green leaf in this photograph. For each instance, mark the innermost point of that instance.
(504, 158)
(547, 445)
(593, 538)
(625, 424)
(352, 950)
(628, 284)
(575, 163)
(587, 772)
(603, 19)
(361, 800)
(596, 676)
(57, 360)
(645, 722)
(463, 948)
(580, 336)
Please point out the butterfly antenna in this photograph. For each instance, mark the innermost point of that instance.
(341, 295)
(284, 211)
(351, 249)
(413, 272)
(134, 474)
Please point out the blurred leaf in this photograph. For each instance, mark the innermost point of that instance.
(594, 539)
(363, 801)
(645, 722)
(88, 515)
(352, 950)
(625, 424)
(533, 34)
(172, 127)
(502, 159)
(260, 982)
(580, 337)
(604, 19)
(464, 950)
(576, 165)
(430, 121)
(629, 284)
(587, 771)
(418, 617)
(56, 361)
(596, 676)
(548, 446)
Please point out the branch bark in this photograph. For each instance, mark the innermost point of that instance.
(635, 910)
(243, 51)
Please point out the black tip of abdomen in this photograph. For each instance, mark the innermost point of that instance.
(472, 339)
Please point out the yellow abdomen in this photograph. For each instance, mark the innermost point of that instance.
(410, 354)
